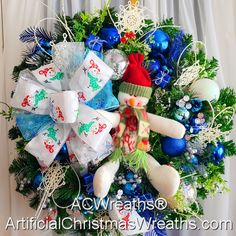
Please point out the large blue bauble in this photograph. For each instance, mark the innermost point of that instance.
(158, 41)
(38, 178)
(172, 146)
(218, 153)
(63, 154)
(111, 35)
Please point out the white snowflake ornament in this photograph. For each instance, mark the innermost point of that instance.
(211, 134)
(189, 75)
(131, 18)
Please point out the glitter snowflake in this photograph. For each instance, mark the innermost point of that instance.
(189, 75)
(211, 134)
(131, 18)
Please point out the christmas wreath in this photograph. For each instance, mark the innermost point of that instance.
(113, 106)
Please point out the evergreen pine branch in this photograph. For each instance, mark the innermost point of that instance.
(34, 201)
(26, 166)
(227, 97)
(14, 133)
(68, 191)
(7, 114)
(168, 26)
(209, 66)
(230, 148)
(60, 29)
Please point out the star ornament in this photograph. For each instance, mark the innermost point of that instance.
(131, 18)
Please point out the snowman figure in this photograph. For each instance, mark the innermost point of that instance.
(51, 74)
(133, 124)
(93, 75)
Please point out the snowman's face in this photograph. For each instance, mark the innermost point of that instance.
(132, 100)
(49, 142)
(31, 101)
(93, 71)
(51, 72)
(95, 129)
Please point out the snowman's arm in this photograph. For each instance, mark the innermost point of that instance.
(166, 126)
(113, 117)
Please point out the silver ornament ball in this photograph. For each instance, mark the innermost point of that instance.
(118, 61)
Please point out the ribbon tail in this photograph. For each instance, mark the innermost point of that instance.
(30, 125)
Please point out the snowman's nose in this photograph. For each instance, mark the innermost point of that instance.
(132, 102)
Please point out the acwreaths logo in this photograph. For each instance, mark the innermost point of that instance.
(110, 204)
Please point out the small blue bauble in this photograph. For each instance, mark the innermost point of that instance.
(218, 153)
(172, 146)
(128, 188)
(38, 178)
(196, 104)
(194, 160)
(129, 175)
(111, 36)
(158, 41)
(153, 67)
(182, 114)
(63, 154)
(196, 127)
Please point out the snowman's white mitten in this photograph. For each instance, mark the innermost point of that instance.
(165, 179)
(166, 126)
(104, 177)
(113, 117)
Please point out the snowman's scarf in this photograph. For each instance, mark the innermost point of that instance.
(137, 158)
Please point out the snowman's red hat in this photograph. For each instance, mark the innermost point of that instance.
(136, 80)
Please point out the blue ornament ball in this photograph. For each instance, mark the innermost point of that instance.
(182, 114)
(129, 175)
(194, 160)
(63, 154)
(111, 36)
(128, 188)
(218, 153)
(158, 41)
(38, 178)
(173, 147)
(196, 126)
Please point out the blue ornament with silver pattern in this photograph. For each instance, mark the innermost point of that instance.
(218, 153)
(158, 41)
(111, 36)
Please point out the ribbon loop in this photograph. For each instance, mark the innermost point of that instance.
(31, 96)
